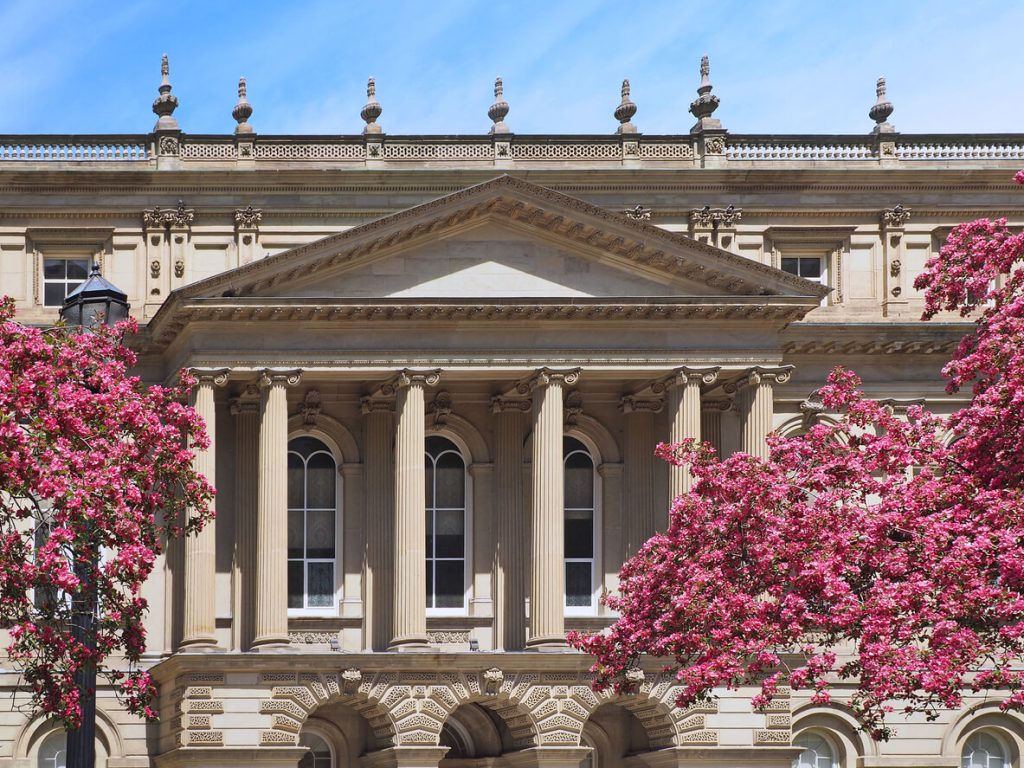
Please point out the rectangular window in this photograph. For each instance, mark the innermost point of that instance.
(60, 277)
(807, 267)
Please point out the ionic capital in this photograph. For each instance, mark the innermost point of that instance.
(504, 404)
(685, 374)
(760, 375)
(633, 404)
(544, 377)
(282, 378)
(408, 377)
(369, 405)
(716, 405)
(215, 377)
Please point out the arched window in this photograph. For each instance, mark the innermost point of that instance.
(817, 752)
(312, 525)
(446, 524)
(983, 750)
(318, 754)
(579, 524)
(53, 752)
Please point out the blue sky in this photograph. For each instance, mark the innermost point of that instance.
(781, 66)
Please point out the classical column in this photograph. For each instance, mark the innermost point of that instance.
(378, 572)
(757, 409)
(711, 422)
(410, 604)
(684, 413)
(272, 512)
(198, 624)
(509, 586)
(547, 555)
(638, 525)
(246, 410)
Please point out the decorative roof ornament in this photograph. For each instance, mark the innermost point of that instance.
(243, 110)
(882, 109)
(166, 102)
(372, 110)
(706, 102)
(499, 109)
(625, 111)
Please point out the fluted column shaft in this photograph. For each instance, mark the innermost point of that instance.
(757, 409)
(547, 560)
(198, 621)
(410, 605)
(272, 512)
(638, 525)
(246, 413)
(378, 586)
(684, 414)
(509, 586)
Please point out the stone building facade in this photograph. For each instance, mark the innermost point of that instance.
(434, 370)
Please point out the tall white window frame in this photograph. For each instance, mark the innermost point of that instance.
(819, 751)
(443, 447)
(320, 752)
(983, 749)
(53, 752)
(576, 510)
(312, 509)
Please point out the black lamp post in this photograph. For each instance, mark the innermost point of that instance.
(94, 303)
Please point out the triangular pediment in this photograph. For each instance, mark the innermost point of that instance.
(559, 233)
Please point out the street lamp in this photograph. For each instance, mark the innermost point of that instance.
(94, 303)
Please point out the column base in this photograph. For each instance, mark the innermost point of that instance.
(411, 644)
(200, 645)
(271, 644)
(548, 644)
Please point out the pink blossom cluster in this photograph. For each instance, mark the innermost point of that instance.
(871, 551)
(95, 473)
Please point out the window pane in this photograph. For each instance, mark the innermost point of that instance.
(320, 587)
(306, 446)
(449, 585)
(579, 481)
(320, 534)
(295, 482)
(791, 265)
(320, 482)
(296, 520)
(78, 269)
(451, 481)
(450, 534)
(430, 583)
(428, 474)
(295, 586)
(430, 533)
(53, 294)
(578, 584)
(579, 534)
(810, 268)
(53, 269)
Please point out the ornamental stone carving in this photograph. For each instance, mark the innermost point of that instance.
(712, 218)
(493, 678)
(897, 216)
(310, 408)
(248, 217)
(638, 213)
(440, 408)
(162, 218)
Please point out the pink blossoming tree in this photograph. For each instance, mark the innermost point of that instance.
(870, 554)
(95, 474)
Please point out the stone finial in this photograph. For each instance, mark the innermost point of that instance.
(706, 103)
(499, 109)
(882, 109)
(166, 102)
(243, 110)
(625, 111)
(372, 110)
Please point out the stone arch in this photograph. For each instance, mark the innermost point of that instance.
(493, 690)
(331, 431)
(797, 425)
(838, 722)
(38, 728)
(985, 716)
(593, 434)
(465, 435)
(296, 697)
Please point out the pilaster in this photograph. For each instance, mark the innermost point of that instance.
(272, 523)
(757, 406)
(246, 410)
(509, 556)
(199, 621)
(378, 576)
(638, 526)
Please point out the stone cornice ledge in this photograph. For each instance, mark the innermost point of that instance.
(883, 337)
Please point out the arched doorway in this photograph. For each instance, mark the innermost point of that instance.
(473, 733)
(613, 732)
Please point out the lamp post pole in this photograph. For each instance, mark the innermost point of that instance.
(94, 303)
